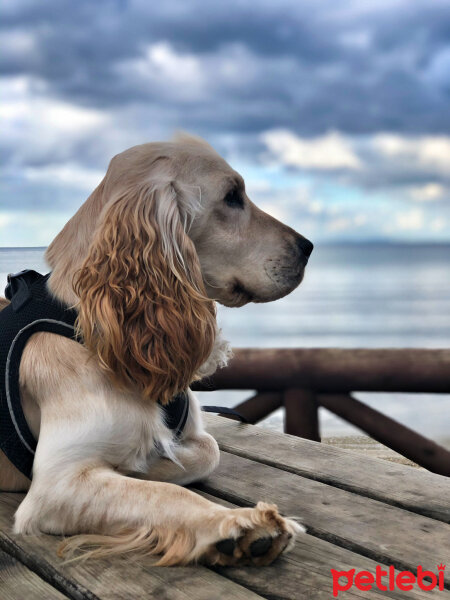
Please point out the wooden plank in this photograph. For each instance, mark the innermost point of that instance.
(418, 491)
(120, 578)
(306, 573)
(19, 583)
(382, 532)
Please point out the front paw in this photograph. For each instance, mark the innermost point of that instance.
(252, 536)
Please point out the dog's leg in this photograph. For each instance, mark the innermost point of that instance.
(196, 458)
(116, 514)
(196, 455)
(89, 432)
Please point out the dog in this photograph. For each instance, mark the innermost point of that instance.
(168, 232)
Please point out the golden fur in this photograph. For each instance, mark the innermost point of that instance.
(147, 318)
(143, 261)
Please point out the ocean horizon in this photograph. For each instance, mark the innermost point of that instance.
(354, 295)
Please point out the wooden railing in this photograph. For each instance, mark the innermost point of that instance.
(302, 380)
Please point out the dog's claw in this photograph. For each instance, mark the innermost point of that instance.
(252, 536)
(261, 546)
(226, 546)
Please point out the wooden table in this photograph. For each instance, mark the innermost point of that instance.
(359, 512)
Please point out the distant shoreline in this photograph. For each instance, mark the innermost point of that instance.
(23, 247)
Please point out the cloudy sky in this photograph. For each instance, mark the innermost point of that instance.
(336, 113)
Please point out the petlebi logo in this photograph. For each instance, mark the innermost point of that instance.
(386, 579)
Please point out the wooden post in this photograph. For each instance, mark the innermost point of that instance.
(385, 430)
(301, 414)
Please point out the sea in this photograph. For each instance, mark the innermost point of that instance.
(377, 295)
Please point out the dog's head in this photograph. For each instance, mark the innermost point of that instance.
(245, 254)
(169, 230)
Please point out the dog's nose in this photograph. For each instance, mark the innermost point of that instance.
(305, 246)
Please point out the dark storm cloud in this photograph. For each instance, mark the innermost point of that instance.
(358, 67)
(84, 80)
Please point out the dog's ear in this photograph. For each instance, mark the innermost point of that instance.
(143, 308)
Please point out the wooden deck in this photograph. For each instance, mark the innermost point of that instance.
(359, 512)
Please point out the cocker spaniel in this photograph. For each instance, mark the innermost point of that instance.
(169, 231)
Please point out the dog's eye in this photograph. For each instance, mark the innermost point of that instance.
(234, 199)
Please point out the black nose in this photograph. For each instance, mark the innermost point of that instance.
(305, 246)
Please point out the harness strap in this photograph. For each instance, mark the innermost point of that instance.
(12, 373)
(225, 411)
(176, 413)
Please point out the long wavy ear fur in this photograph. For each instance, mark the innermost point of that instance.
(143, 309)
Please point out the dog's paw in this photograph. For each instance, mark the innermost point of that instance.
(252, 536)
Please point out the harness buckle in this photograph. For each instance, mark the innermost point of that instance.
(18, 289)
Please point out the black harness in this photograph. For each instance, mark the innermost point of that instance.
(32, 309)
